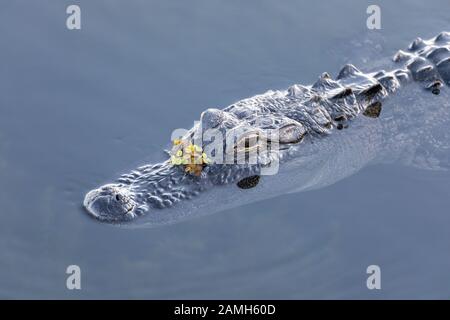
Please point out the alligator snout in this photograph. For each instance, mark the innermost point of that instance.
(113, 203)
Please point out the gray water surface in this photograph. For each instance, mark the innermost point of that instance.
(78, 108)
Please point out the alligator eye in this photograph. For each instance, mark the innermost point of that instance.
(247, 142)
(117, 197)
(291, 133)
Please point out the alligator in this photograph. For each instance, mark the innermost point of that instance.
(325, 132)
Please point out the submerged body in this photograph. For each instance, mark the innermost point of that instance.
(327, 132)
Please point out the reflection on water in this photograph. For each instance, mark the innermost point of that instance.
(80, 107)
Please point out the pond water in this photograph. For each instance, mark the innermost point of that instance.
(78, 108)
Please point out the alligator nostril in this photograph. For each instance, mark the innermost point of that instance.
(110, 203)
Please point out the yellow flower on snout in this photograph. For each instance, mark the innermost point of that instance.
(205, 158)
(191, 156)
(176, 160)
(186, 159)
(192, 149)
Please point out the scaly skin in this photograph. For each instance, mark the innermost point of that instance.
(317, 128)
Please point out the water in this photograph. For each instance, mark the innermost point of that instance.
(80, 107)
